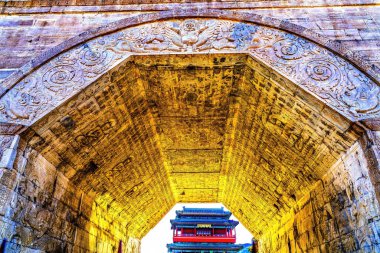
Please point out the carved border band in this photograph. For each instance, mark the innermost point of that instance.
(315, 69)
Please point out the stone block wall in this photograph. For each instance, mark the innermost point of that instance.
(371, 146)
(42, 211)
(27, 32)
(340, 214)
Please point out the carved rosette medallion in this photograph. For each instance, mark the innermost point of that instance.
(320, 70)
(361, 94)
(314, 68)
(288, 49)
(60, 79)
(322, 76)
(94, 60)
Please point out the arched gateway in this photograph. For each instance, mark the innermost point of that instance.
(112, 128)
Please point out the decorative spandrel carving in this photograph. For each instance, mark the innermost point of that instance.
(329, 77)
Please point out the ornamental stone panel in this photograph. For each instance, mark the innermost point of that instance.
(330, 78)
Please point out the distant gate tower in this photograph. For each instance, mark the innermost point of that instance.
(203, 230)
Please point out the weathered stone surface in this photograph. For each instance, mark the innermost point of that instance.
(208, 127)
(49, 214)
(341, 27)
(264, 174)
(333, 80)
(340, 214)
(8, 151)
(371, 146)
(98, 4)
(162, 107)
(108, 164)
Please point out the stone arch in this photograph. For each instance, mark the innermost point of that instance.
(270, 51)
(110, 145)
(329, 77)
(355, 58)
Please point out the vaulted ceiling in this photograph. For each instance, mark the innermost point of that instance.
(156, 130)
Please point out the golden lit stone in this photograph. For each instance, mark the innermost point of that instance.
(212, 128)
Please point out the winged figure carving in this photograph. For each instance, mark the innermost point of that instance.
(192, 35)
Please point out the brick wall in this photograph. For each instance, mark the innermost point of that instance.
(340, 214)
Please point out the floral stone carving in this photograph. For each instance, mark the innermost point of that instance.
(315, 69)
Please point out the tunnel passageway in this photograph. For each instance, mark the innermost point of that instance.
(105, 163)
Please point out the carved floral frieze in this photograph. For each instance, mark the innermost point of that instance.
(315, 69)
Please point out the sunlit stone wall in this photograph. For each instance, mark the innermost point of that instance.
(133, 245)
(30, 31)
(341, 213)
(42, 210)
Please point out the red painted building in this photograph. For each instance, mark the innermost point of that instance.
(206, 230)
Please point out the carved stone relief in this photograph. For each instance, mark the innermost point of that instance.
(330, 78)
(5, 142)
(343, 213)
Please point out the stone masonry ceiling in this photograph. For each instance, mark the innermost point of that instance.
(156, 130)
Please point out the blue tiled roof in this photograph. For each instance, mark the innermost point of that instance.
(209, 212)
(190, 217)
(205, 210)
